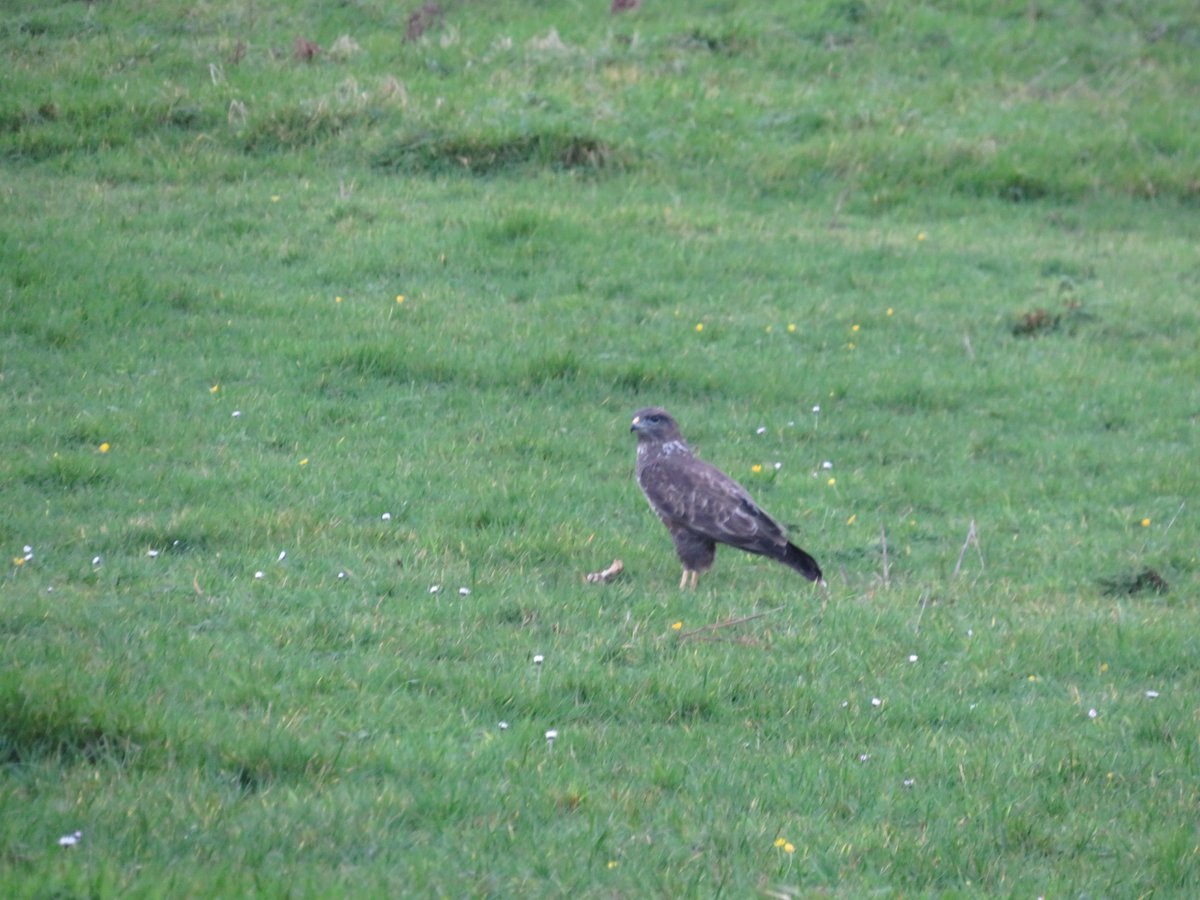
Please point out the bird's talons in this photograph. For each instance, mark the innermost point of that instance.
(608, 574)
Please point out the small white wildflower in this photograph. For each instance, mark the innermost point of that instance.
(551, 735)
(762, 429)
(464, 591)
(259, 574)
(70, 840)
(970, 632)
(503, 726)
(152, 553)
(341, 575)
(816, 409)
(778, 465)
(95, 560)
(434, 588)
(387, 517)
(1092, 714)
(845, 704)
(828, 464)
(863, 757)
(237, 413)
(1151, 694)
(28, 550)
(538, 659)
(282, 554)
(875, 701)
(909, 782)
(912, 657)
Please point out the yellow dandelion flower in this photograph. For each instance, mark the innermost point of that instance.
(920, 236)
(789, 848)
(274, 198)
(304, 462)
(399, 298)
(792, 327)
(831, 482)
(1032, 678)
(779, 842)
(854, 328)
(337, 299)
(214, 389)
(1145, 523)
(612, 863)
(699, 327)
(1103, 667)
(890, 310)
(675, 626)
(770, 328)
(851, 345)
(104, 448)
(756, 468)
(18, 560)
(852, 519)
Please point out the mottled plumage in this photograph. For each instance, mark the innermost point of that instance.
(701, 505)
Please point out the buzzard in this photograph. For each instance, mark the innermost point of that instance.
(701, 505)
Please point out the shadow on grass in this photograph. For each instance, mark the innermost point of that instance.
(431, 153)
(58, 726)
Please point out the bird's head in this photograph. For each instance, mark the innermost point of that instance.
(655, 424)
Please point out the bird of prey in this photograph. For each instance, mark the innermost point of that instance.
(701, 505)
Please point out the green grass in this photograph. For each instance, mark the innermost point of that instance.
(966, 232)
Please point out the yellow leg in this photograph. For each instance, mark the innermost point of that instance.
(684, 580)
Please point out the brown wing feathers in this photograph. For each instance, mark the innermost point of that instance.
(701, 505)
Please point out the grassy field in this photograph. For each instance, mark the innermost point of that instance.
(322, 327)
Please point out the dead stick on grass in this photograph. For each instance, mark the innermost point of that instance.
(1045, 73)
(921, 613)
(835, 219)
(728, 623)
(1173, 518)
(1146, 542)
(972, 538)
(743, 639)
(886, 568)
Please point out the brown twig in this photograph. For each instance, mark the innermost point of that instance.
(743, 640)
(728, 623)
(886, 568)
(921, 613)
(972, 538)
